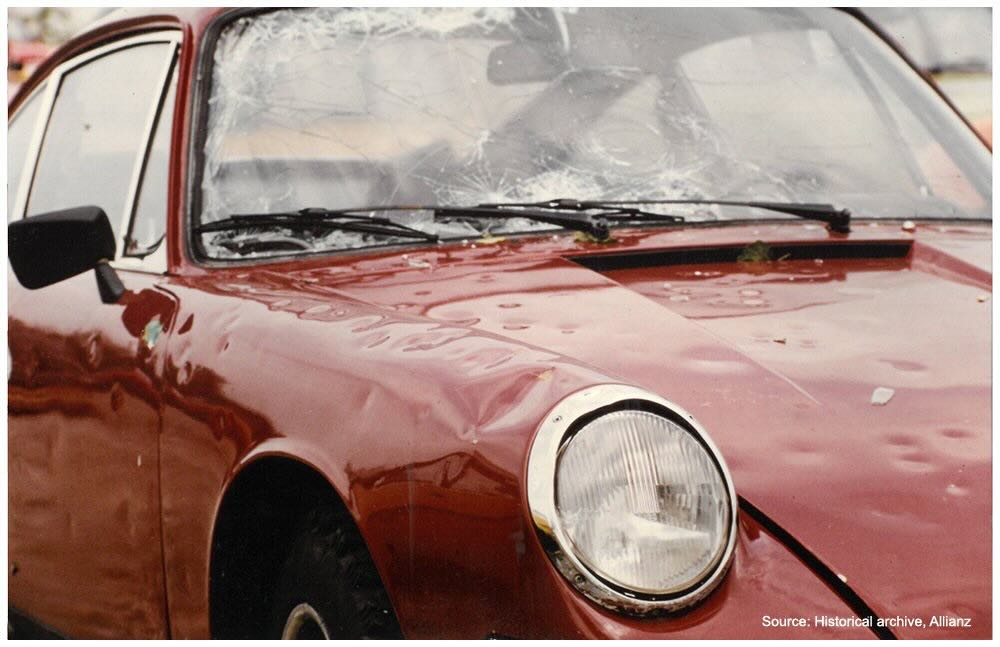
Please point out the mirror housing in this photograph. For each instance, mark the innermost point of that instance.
(55, 246)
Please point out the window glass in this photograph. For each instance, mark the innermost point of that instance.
(19, 133)
(96, 131)
(854, 150)
(150, 221)
(343, 108)
(942, 39)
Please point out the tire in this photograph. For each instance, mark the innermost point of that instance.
(329, 587)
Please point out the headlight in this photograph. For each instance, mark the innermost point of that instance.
(633, 502)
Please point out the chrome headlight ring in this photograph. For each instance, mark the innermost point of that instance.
(567, 418)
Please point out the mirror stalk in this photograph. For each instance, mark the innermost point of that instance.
(108, 283)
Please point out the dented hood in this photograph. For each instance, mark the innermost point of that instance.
(849, 396)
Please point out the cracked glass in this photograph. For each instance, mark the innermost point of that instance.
(342, 108)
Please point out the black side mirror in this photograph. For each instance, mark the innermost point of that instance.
(55, 246)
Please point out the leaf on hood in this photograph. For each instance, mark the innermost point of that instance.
(756, 252)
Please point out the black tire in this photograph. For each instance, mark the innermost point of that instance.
(329, 570)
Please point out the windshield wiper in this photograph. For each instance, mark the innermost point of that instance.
(608, 210)
(594, 224)
(313, 218)
(839, 220)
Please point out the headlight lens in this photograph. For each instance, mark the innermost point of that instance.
(632, 501)
(643, 503)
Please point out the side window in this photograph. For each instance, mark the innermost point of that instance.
(19, 132)
(150, 220)
(97, 130)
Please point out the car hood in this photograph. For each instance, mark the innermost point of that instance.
(848, 391)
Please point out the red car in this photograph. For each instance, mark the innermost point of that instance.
(619, 323)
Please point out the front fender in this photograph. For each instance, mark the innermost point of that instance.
(422, 428)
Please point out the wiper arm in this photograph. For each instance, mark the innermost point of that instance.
(839, 220)
(338, 219)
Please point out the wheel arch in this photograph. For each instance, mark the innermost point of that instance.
(256, 522)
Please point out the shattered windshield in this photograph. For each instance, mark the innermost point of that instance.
(340, 108)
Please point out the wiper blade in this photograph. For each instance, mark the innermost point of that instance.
(553, 212)
(313, 218)
(839, 220)
(595, 225)
(616, 211)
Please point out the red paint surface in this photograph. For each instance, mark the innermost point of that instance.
(416, 391)
(415, 388)
(83, 411)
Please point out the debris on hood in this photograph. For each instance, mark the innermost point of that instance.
(756, 252)
(418, 263)
(881, 395)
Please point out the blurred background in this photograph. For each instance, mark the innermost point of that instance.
(954, 45)
(34, 32)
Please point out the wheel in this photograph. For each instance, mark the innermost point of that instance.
(328, 587)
